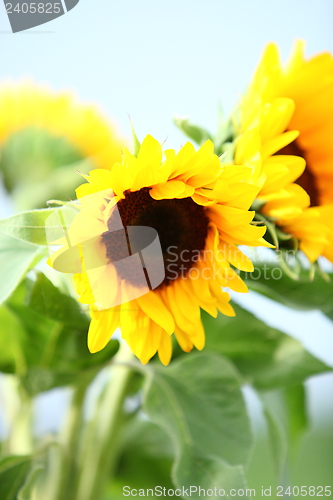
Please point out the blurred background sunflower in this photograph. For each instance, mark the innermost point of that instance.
(45, 138)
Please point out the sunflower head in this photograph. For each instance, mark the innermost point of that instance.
(284, 129)
(50, 135)
(157, 237)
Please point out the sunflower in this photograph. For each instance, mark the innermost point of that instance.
(42, 131)
(285, 129)
(199, 211)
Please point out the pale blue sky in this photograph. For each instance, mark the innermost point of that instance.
(154, 59)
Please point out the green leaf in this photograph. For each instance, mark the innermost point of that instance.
(277, 436)
(267, 357)
(48, 301)
(198, 134)
(269, 280)
(29, 485)
(13, 472)
(13, 342)
(16, 258)
(146, 457)
(38, 227)
(295, 399)
(50, 340)
(199, 404)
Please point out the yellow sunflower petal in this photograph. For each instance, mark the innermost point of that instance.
(103, 325)
(165, 349)
(152, 305)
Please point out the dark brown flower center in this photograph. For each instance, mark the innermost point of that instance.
(181, 226)
(307, 180)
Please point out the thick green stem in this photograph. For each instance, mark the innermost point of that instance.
(69, 442)
(19, 409)
(63, 457)
(100, 450)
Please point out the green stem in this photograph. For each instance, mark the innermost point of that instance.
(19, 407)
(63, 458)
(100, 451)
(69, 441)
(271, 229)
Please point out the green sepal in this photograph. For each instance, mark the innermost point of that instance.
(198, 134)
(282, 236)
(225, 139)
(227, 152)
(70, 204)
(257, 205)
(136, 142)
